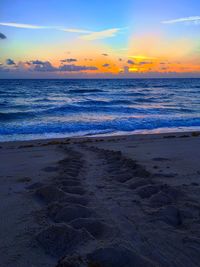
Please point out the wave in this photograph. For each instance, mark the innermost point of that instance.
(115, 109)
(120, 102)
(12, 116)
(133, 94)
(145, 100)
(104, 103)
(116, 125)
(136, 84)
(83, 91)
(101, 108)
(165, 86)
(70, 109)
(43, 100)
(4, 104)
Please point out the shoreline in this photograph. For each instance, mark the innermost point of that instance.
(136, 136)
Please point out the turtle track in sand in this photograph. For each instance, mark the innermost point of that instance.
(103, 208)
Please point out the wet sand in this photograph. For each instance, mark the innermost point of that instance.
(101, 202)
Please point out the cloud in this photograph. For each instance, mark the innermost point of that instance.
(10, 62)
(105, 65)
(46, 66)
(2, 36)
(68, 60)
(164, 68)
(88, 59)
(38, 65)
(74, 30)
(193, 20)
(37, 27)
(23, 26)
(87, 34)
(37, 62)
(100, 34)
(73, 68)
(130, 62)
(105, 55)
(145, 62)
(43, 66)
(142, 57)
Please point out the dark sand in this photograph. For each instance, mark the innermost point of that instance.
(101, 202)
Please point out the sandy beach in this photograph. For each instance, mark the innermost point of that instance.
(119, 201)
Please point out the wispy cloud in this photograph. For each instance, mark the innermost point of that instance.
(106, 65)
(142, 57)
(84, 34)
(101, 34)
(131, 62)
(37, 27)
(74, 30)
(145, 62)
(23, 26)
(193, 20)
(68, 60)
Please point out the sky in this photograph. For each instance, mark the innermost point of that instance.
(99, 39)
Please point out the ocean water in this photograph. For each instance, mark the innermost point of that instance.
(32, 109)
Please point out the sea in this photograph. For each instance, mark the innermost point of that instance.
(41, 109)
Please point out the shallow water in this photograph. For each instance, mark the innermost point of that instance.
(31, 109)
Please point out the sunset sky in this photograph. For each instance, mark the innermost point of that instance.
(99, 39)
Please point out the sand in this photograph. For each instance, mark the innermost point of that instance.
(118, 201)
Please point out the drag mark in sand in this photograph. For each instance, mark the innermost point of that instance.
(106, 210)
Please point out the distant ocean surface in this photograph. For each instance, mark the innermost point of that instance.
(34, 109)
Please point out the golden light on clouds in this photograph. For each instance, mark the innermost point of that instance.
(144, 53)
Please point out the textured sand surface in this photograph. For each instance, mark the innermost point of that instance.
(101, 202)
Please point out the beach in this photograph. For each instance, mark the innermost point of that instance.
(115, 201)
